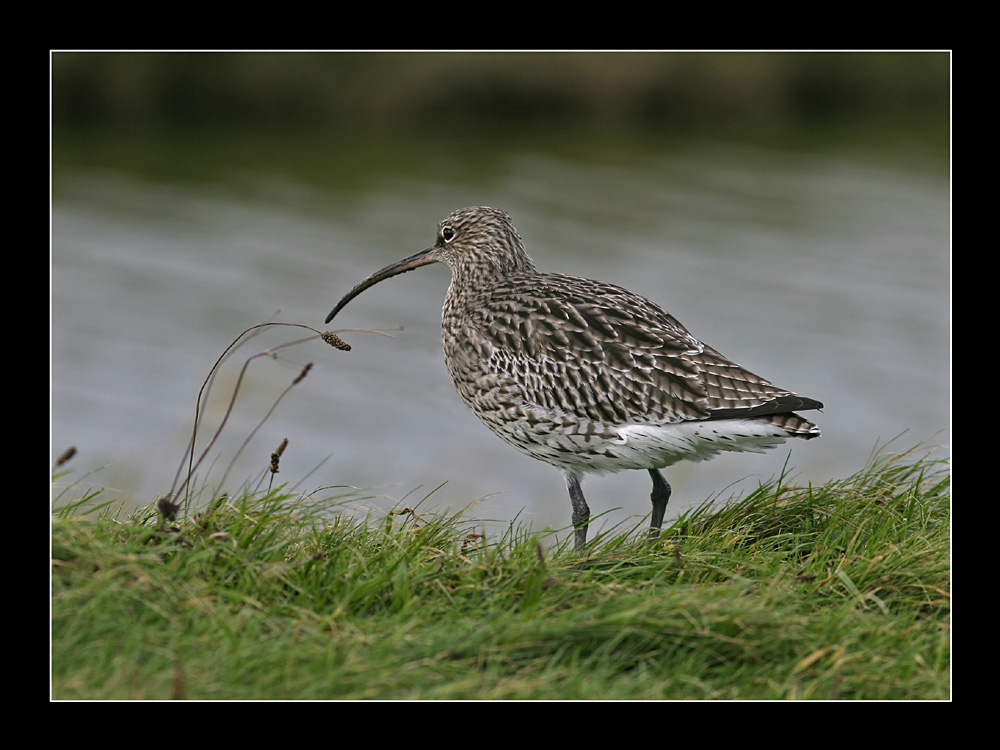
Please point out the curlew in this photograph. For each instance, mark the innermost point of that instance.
(584, 375)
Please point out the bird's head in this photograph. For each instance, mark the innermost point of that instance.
(477, 243)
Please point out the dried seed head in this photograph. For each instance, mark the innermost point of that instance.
(334, 340)
(301, 375)
(66, 455)
(166, 508)
(276, 456)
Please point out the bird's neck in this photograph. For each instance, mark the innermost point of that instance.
(487, 271)
(471, 284)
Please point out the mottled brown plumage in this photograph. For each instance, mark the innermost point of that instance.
(586, 375)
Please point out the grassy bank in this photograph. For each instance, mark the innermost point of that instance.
(832, 592)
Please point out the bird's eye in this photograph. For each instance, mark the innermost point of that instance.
(447, 234)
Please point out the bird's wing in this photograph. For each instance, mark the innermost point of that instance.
(598, 351)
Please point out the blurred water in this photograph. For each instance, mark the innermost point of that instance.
(828, 273)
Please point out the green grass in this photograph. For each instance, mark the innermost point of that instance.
(832, 592)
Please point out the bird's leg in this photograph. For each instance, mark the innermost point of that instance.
(581, 512)
(660, 495)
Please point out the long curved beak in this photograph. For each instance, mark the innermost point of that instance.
(423, 258)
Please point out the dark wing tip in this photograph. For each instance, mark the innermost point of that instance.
(779, 405)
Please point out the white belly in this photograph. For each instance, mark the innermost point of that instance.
(639, 446)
